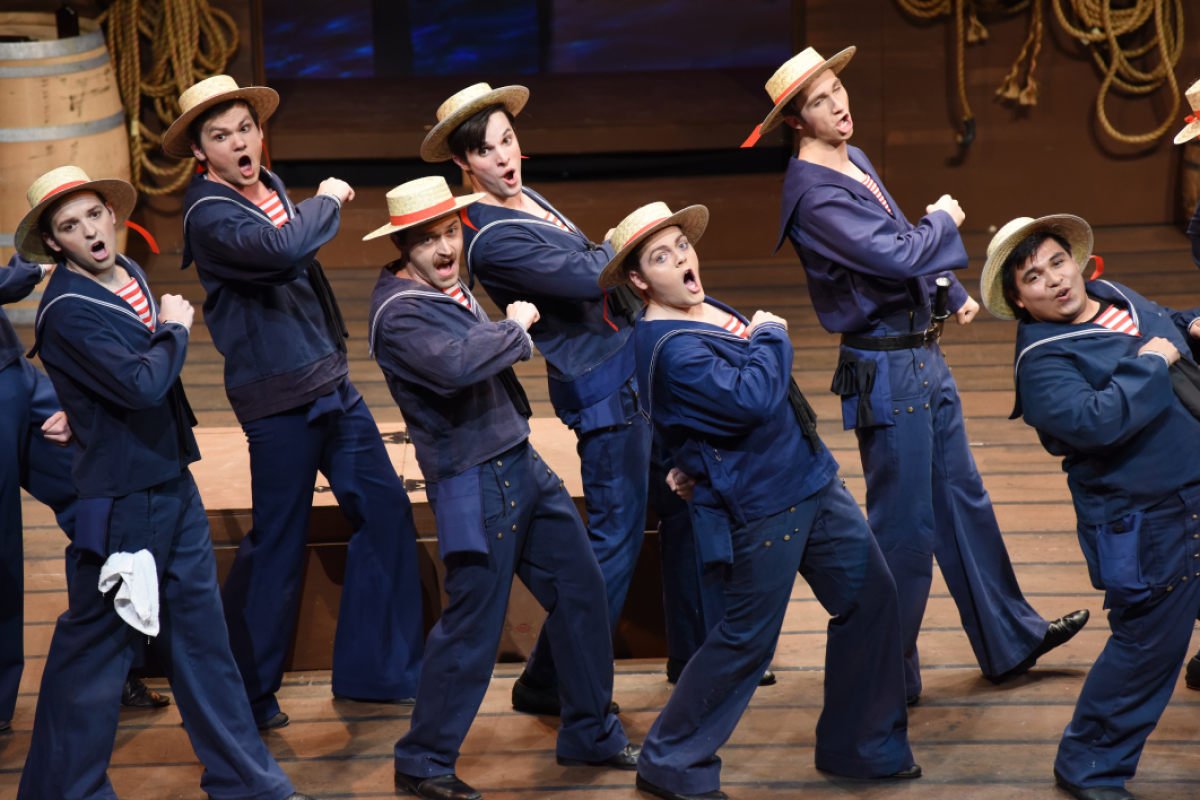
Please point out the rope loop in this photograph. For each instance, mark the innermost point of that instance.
(187, 41)
(1096, 25)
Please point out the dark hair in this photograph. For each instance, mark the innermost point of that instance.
(196, 127)
(471, 134)
(1025, 250)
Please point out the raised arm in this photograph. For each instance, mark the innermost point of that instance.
(512, 257)
(833, 222)
(235, 246)
(424, 354)
(713, 396)
(102, 361)
(18, 279)
(1059, 401)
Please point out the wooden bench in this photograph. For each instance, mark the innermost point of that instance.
(223, 476)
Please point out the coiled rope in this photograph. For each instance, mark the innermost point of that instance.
(189, 41)
(1097, 25)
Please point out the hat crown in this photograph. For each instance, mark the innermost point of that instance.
(419, 195)
(1193, 96)
(632, 225)
(1007, 231)
(52, 180)
(460, 99)
(209, 87)
(793, 70)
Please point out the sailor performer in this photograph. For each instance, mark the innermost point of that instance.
(766, 502)
(522, 248)
(870, 275)
(1099, 374)
(500, 509)
(274, 318)
(145, 560)
(35, 455)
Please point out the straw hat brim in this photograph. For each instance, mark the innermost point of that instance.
(1074, 229)
(28, 238)
(459, 204)
(692, 220)
(1189, 133)
(837, 63)
(176, 141)
(435, 149)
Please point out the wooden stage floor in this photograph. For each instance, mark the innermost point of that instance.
(973, 739)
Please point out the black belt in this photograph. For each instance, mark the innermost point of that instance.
(880, 343)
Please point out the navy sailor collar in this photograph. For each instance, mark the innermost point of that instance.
(66, 285)
(391, 287)
(804, 175)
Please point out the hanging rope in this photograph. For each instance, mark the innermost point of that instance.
(1095, 24)
(189, 41)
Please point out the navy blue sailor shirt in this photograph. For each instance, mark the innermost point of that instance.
(585, 341)
(17, 281)
(118, 383)
(443, 364)
(1126, 440)
(269, 307)
(719, 404)
(865, 263)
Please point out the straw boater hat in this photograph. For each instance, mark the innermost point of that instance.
(1077, 233)
(640, 224)
(206, 94)
(791, 79)
(419, 201)
(1193, 120)
(461, 107)
(54, 185)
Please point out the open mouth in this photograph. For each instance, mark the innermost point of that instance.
(99, 251)
(690, 282)
(510, 177)
(246, 166)
(845, 124)
(1063, 295)
(447, 269)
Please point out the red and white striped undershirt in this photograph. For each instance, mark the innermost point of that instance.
(1117, 319)
(736, 326)
(550, 217)
(874, 188)
(132, 293)
(457, 293)
(273, 207)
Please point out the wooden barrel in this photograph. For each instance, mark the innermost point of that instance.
(60, 106)
(1190, 179)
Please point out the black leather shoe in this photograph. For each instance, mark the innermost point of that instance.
(908, 774)
(136, 694)
(1060, 632)
(912, 700)
(646, 786)
(531, 697)
(1092, 792)
(624, 759)
(439, 787)
(675, 669)
(1191, 675)
(5, 724)
(280, 720)
(391, 701)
